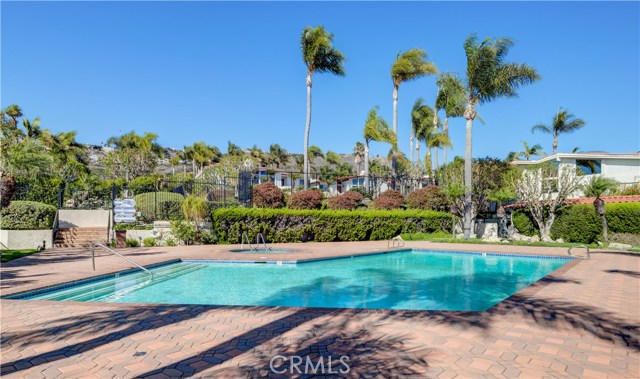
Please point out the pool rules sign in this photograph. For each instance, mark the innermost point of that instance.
(124, 210)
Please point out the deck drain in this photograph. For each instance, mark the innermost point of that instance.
(139, 353)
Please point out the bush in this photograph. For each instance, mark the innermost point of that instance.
(131, 242)
(310, 199)
(390, 199)
(429, 198)
(523, 222)
(286, 225)
(623, 217)
(27, 215)
(189, 234)
(267, 195)
(149, 242)
(628, 238)
(347, 201)
(577, 223)
(146, 183)
(194, 208)
(159, 205)
(361, 191)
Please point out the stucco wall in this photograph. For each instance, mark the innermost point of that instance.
(26, 239)
(622, 170)
(69, 218)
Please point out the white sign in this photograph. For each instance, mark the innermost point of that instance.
(124, 210)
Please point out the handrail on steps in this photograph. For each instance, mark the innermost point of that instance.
(93, 257)
(244, 237)
(587, 256)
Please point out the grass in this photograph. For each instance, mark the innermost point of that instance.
(9, 255)
(446, 238)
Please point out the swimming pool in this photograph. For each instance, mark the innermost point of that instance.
(412, 279)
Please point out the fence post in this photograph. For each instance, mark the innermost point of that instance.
(60, 195)
(224, 189)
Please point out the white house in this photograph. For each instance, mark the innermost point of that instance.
(623, 168)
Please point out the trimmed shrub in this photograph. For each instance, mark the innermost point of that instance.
(268, 195)
(310, 199)
(27, 215)
(159, 205)
(146, 183)
(390, 199)
(577, 223)
(523, 222)
(286, 225)
(346, 201)
(429, 198)
(623, 217)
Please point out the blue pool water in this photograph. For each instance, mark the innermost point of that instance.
(417, 280)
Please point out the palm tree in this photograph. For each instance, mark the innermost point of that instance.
(451, 98)
(488, 77)
(333, 157)
(376, 129)
(597, 187)
(277, 155)
(358, 153)
(563, 122)
(320, 56)
(436, 140)
(233, 149)
(313, 152)
(529, 151)
(421, 116)
(410, 65)
(70, 155)
(32, 128)
(28, 158)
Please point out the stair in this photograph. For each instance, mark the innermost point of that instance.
(79, 237)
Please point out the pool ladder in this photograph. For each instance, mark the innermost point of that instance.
(395, 242)
(259, 236)
(93, 257)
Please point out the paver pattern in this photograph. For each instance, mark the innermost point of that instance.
(581, 321)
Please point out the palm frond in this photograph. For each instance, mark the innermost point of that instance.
(377, 129)
(410, 65)
(542, 128)
(318, 52)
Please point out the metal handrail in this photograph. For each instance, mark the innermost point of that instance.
(588, 256)
(258, 236)
(242, 239)
(392, 242)
(93, 255)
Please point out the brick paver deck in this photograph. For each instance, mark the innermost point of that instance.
(581, 321)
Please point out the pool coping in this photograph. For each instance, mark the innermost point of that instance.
(528, 290)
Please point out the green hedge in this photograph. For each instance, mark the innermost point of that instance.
(286, 225)
(27, 215)
(580, 223)
(159, 205)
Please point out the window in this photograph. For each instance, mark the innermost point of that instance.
(589, 166)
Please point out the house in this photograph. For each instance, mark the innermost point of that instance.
(623, 168)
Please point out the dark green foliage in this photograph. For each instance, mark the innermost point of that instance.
(146, 183)
(311, 199)
(189, 234)
(577, 223)
(125, 226)
(285, 225)
(429, 198)
(149, 241)
(159, 205)
(390, 199)
(132, 242)
(27, 215)
(523, 222)
(361, 191)
(347, 201)
(623, 217)
(268, 195)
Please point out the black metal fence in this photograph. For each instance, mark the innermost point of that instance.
(161, 199)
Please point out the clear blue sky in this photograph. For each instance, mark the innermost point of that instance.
(217, 71)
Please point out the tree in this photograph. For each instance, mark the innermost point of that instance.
(70, 155)
(597, 187)
(435, 140)
(259, 155)
(543, 188)
(410, 65)
(563, 122)
(358, 153)
(200, 154)
(133, 155)
(488, 78)
(332, 157)
(320, 56)
(451, 98)
(376, 129)
(234, 150)
(421, 116)
(529, 151)
(277, 155)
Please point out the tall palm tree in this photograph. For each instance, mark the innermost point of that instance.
(563, 122)
(597, 187)
(358, 153)
(435, 140)
(32, 128)
(451, 98)
(376, 129)
(410, 65)
(320, 56)
(421, 116)
(488, 78)
(529, 151)
(70, 155)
